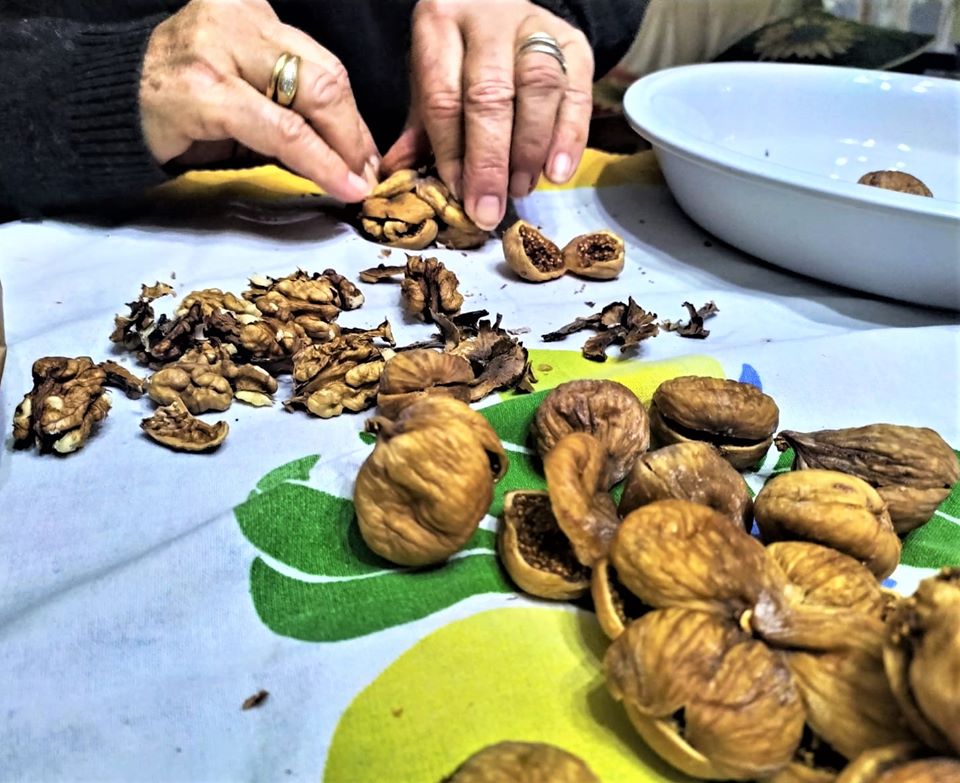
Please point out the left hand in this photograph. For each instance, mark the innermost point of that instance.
(494, 120)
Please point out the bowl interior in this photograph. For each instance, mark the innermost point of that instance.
(833, 123)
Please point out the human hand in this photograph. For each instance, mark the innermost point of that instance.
(494, 119)
(203, 90)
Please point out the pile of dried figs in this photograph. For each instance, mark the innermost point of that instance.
(776, 658)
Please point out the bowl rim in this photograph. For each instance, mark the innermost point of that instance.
(637, 106)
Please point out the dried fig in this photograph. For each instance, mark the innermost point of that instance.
(429, 481)
(530, 254)
(616, 606)
(848, 699)
(831, 508)
(534, 550)
(736, 417)
(605, 409)
(522, 762)
(576, 471)
(692, 471)
(895, 180)
(893, 764)
(922, 659)
(707, 698)
(912, 468)
(411, 375)
(599, 255)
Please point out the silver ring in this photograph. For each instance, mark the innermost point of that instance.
(543, 43)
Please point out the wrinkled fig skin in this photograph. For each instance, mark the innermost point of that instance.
(522, 762)
(422, 492)
(912, 468)
(900, 764)
(412, 375)
(830, 508)
(935, 770)
(848, 699)
(742, 717)
(678, 553)
(922, 659)
(576, 471)
(535, 552)
(796, 772)
(821, 576)
(607, 410)
(688, 471)
(736, 417)
(599, 255)
(530, 254)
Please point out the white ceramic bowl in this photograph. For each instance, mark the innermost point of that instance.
(767, 157)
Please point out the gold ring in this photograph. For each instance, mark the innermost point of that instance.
(277, 67)
(287, 81)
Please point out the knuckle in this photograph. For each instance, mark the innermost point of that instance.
(291, 127)
(443, 104)
(540, 76)
(202, 75)
(529, 152)
(330, 86)
(492, 92)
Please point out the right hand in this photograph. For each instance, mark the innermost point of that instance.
(202, 91)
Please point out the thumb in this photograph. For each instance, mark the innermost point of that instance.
(411, 148)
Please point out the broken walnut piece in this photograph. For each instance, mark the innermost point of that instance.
(174, 427)
(599, 255)
(423, 490)
(534, 550)
(608, 410)
(737, 418)
(530, 254)
(119, 377)
(830, 508)
(200, 379)
(522, 762)
(428, 287)
(67, 401)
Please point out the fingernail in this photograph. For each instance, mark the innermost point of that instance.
(370, 175)
(561, 167)
(488, 212)
(359, 188)
(374, 162)
(520, 183)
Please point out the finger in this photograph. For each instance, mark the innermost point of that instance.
(573, 117)
(323, 97)
(540, 83)
(409, 150)
(488, 95)
(237, 110)
(436, 59)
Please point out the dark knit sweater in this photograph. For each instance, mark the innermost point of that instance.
(70, 131)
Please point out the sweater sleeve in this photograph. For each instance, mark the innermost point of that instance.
(610, 25)
(69, 113)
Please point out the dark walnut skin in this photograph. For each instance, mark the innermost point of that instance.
(922, 658)
(429, 481)
(534, 550)
(692, 471)
(830, 508)
(737, 418)
(605, 409)
(531, 255)
(899, 181)
(522, 762)
(599, 255)
(912, 468)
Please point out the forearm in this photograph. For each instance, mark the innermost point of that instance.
(610, 25)
(69, 113)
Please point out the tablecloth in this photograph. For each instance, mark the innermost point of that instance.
(145, 594)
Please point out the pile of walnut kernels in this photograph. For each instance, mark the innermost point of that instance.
(779, 658)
